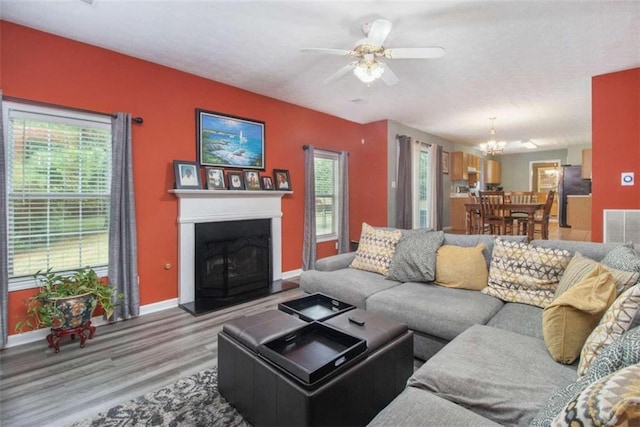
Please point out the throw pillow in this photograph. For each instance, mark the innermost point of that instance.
(415, 257)
(622, 258)
(523, 273)
(618, 355)
(569, 319)
(461, 267)
(580, 266)
(376, 248)
(611, 401)
(616, 321)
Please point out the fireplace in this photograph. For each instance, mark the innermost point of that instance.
(200, 207)
(232, 258)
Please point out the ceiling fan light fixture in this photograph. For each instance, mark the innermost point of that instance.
(368, 72)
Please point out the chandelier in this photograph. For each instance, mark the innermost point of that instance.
(368, 71)
(492, 146)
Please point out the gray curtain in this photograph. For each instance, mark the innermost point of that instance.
(309, 242)
(4, 268)
(404, 192)
(343, 236)
(123, 246)
(439, 193)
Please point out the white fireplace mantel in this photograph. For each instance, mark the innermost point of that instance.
(198, 206)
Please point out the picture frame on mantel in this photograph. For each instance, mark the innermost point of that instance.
(445, 162)
(230, 141)
(215, 179)
(236, 180)
(282, 179)
(187, 175)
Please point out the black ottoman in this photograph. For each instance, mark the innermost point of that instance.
(265, 394)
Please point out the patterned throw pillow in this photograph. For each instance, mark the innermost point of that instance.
(570, 318)
(623, 258)
(415, 257)
(618, 355)
(580, 266)
(616, 321)
(462, 267)
(611, 401)
(523, 273)
(376, 249)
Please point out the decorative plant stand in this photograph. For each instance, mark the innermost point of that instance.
(56, 335)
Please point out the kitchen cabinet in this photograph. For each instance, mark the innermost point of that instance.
(461, 163)
(586, 163)
(493, 172)
(457, 213)
(579, 212)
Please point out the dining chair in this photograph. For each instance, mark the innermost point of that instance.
(493, 216)
(540, 218)
(520, 197)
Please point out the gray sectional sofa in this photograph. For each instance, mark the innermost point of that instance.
(486, 359)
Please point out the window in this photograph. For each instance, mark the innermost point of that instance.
(58, 190)
(421, 190)
(327, 190)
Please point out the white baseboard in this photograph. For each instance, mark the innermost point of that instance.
(41, 334)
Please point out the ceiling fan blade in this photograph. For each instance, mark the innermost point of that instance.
(380, 29)
(414, 53)
(388, 77)
(340, 52)
(341, 72)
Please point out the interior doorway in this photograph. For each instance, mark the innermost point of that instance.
(543, 177)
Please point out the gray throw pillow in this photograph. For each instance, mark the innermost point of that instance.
(623, 258)
(415, 257)
(617, 355)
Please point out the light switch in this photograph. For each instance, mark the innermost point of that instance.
(627, 178)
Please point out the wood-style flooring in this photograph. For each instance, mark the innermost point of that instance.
(123, 361)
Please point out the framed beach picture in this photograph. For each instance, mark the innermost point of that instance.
(229, 141)
(187, 174)
(215, 179)
(282, 180)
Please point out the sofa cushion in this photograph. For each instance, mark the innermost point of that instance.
(621, 353)
(616, 321)
(415, 407)
(523, 273)
(470, 274)
(433, 309)
(580, 266)
(349, 285)
(523, 319)
(376, 249)
(495, 373)
(335, 262)
(472, 240)
(611, 401)
(623, 258)
(415, 257)
(570, 318)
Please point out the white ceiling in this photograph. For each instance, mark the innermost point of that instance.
(528, 63)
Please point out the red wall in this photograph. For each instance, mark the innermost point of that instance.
(615, 144)
(46, 68)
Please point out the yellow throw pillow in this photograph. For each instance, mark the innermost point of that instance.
(376, 249)
(570, 318)
(461, 267)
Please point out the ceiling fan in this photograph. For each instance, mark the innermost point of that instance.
(369, 52)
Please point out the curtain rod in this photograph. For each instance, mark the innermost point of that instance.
(428, 144)
(138, 120)
(306, 147)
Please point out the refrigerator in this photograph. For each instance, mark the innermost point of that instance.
(570, 182)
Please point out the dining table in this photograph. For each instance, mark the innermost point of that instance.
(529, 208)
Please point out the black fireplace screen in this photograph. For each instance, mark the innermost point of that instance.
(232, 258)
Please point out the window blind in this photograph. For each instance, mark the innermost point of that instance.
(326, 185)
(59, 179)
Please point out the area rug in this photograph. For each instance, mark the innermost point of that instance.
(192, 401)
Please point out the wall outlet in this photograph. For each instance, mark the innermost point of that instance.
(627, 178)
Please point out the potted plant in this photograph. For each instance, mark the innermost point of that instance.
(65, 303)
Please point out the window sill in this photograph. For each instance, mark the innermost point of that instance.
(324, 239)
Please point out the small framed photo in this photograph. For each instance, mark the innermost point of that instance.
(282, 179)
(187, 174)
(215, 179)
(236, 181)
(252, 180)
(445, 162)
(267, 183)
